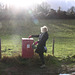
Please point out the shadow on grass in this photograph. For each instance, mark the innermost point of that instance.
(35, 60)
(30, 66)
(19, 65)
(68, 65)
(69, 60)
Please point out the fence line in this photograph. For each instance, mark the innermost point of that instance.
(53, 46)
(0, 48)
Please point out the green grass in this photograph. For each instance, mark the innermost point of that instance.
(12, 32)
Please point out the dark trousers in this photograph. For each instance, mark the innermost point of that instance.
(42, 58)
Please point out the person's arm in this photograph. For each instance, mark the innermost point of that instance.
(33, 36)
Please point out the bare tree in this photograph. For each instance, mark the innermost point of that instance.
(71, 10)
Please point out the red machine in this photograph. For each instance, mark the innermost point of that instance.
(27, 51)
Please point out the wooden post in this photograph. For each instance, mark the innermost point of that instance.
(0, 48)
(53, 46)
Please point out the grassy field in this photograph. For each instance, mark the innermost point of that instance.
(11, 34)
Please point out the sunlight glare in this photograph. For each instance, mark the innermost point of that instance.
(22, 3)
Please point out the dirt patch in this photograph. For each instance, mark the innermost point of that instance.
(67, 69)
(14, 69)
(23, 70)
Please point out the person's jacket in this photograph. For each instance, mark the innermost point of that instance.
(41, 42)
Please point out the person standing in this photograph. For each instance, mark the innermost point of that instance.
(41, 47)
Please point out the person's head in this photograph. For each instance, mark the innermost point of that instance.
(44, 29)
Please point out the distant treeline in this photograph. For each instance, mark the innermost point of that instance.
(42, 11)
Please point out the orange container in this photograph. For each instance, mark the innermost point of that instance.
(27, 51)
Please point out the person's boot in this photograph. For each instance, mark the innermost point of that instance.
(43, 66)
